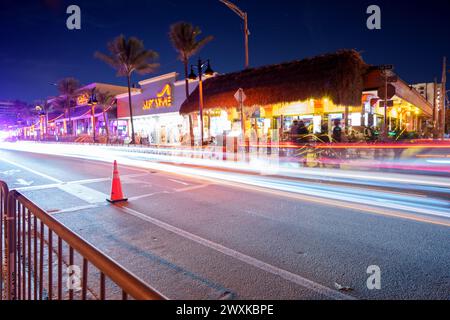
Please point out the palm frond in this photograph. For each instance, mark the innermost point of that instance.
(183, 36)
(129, 55)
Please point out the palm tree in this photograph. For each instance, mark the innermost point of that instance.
(127, 56)
(107, 101)
(44, 107)
(183, 36)
(67, 88)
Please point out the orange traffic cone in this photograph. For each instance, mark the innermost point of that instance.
(116, 189)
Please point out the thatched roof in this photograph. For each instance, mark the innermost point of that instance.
(338, 76)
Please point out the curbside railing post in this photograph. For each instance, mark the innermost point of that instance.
(10, 250)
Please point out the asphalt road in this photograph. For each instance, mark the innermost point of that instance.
(197, 238)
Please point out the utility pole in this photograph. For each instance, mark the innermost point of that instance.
(208, 72)
(435, 110)
(244, 16)
(385, 73)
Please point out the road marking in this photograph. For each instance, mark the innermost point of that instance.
(289, 276)
(126, 178)
(147, 195)
(84, 193)
(74, 209)
(9, 173)
(22, 182)
(31, 170)
(202, 186)
(179, 182)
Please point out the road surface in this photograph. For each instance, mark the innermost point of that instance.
(204, 237)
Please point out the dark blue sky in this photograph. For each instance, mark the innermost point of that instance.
(37, 49)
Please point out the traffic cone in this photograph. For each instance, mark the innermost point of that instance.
(116, 189)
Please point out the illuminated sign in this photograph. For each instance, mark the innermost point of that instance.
(163, 99)
(83, 99)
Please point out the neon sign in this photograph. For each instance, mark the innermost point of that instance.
(83, 99)
(163, 99)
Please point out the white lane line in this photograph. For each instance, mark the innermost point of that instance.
(289, 276)
(43, 175)
(147, 195)
(74, 209)
(179, 182)
(202, 186)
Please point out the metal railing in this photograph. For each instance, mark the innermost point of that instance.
(44, 260)
(4, 191)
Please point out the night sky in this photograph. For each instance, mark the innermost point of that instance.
(37, 49)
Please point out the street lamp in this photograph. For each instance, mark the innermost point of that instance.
(93, 102)
(244, 16)
(201, 71)
(42, 126)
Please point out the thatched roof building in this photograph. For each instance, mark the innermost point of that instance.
(337, 76)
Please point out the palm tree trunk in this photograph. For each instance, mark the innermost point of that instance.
(46, 123)
(133, 141)
(93, 124)
(69, 127)
(105, 118)
(186, 70)
(191, 126)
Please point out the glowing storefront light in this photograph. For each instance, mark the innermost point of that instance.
(156, 107)
(83, 99)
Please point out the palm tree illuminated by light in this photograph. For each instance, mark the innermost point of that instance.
(128, 56)
(68, 89)
(183, 36)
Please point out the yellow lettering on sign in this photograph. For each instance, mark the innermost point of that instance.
(162, 100)
(83, 99)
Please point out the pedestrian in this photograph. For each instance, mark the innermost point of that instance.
(294, 131)
(302, 132)
(324, 134)
(337, 131)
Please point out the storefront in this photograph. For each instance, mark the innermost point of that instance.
(156, 107)
(86, 116)
(314, 92)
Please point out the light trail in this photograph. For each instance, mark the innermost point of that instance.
(357, 196)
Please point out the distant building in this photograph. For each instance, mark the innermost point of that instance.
(13, 112)
(427, 91)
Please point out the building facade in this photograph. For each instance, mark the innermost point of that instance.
(319, 92)
(156, 111)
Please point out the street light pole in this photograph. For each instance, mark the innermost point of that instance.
(244, 16)
(385, 72)
(201, 101)
(246, 33)
(93, 102)
(200, 66)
